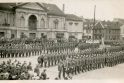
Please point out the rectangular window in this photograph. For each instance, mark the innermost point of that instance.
(2, 34)
(76, 24)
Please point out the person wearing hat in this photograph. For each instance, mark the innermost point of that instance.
(29, 67)
(40, 60)
(60, 65)
(64, 68)
(55, 58)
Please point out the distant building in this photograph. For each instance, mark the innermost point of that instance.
(74, 26)
(112, 30)
(98, 31)
(36, 20)
(108, 30)
(122, 32)
(121, 21)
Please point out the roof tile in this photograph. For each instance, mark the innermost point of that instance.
(73, 17)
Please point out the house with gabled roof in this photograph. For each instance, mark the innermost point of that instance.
(98, 31)
(74, 26)
(106, 29)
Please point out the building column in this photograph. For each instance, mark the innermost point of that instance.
(18, 34)
(38, 21)
(66, 35)
(26, 20)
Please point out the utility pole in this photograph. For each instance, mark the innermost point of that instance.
(94, 21)
(94, 25)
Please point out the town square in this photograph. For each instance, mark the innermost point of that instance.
(48, 41)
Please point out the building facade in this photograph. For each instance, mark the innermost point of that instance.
(107, 30)
(122, 32)
(112, 30)
(33, 20)
(121, 21)
(74, 26)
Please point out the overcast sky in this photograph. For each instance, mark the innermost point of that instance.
(105, 9)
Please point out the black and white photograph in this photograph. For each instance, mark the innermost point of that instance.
(62, 40)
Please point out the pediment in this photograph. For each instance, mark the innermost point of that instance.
(35, 6)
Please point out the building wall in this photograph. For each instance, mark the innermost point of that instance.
(19, 23)
(48, 29)
(23, 26)
(59, 28)
(26, 13)
(122, 32)
(61, 22)
(112, 34)
(6, 17)
(7, 23)
(75, 28)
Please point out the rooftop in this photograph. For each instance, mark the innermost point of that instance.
(88, 24)
(7, 6)
(52, 9)
(73, 17)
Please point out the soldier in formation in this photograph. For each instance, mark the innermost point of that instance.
(82, 63)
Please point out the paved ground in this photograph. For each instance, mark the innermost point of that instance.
(116, 72)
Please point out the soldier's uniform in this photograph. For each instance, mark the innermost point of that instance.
(45, 60)
(60, 65)
(48, 58)
(51, 60)
(64, 69)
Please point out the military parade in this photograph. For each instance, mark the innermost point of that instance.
(70, 62)
(41, 41)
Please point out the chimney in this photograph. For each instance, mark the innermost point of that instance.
(63, 9)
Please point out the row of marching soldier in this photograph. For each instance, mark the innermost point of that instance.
(74, 63)
(81, 63)
(24, 49)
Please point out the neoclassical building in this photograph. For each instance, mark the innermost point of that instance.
(33, 20)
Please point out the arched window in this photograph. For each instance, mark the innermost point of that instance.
(32, 22)
(22, 21)
(56, 23)
(42, 23)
